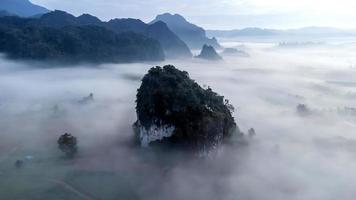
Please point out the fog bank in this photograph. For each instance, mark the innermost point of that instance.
(293, 156)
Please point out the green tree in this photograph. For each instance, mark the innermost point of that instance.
(68, 144)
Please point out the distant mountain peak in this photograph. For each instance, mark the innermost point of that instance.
(191, 34)
(169, 40)
(170, 16)
(87, 15)
(58, 18)
(208, 52)
(175, 20)
(159, 24)
(58, 12)
(88, 19)
(126, 20)
(23, 8)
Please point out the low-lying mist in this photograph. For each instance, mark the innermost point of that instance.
(293, 156)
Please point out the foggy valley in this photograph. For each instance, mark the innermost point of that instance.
(119, 105)
(292, 156)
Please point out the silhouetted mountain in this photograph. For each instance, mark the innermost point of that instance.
(209, 53)
(23, 8)
(191, 34)
(19, 39)
(57, 19)
(172, 45)
(86, 19)
(128, 24)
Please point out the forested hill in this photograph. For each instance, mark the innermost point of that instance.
(172, 45)
(25, 38)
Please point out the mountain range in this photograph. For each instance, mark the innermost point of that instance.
(51, 36)
(305, 31)
(175, 34)
(21, 40)
(172, 45)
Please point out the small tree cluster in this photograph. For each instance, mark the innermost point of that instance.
(68, 144)
(251, 132)
(303, 110)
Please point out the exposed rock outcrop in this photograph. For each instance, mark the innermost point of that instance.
(173, 109)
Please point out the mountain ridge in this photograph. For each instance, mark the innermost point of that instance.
(255, 31)
(171, 43)
(67, 42)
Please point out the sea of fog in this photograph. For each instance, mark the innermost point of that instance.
(294, 156)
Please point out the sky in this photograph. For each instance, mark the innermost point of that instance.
(222, 14)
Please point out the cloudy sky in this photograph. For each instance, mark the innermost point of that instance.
(222, 14)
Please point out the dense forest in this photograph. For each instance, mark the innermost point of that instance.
(187, 114)
(61, 36)
(74, 43)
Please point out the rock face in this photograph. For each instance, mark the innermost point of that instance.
(209, 53)
(173, 109)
